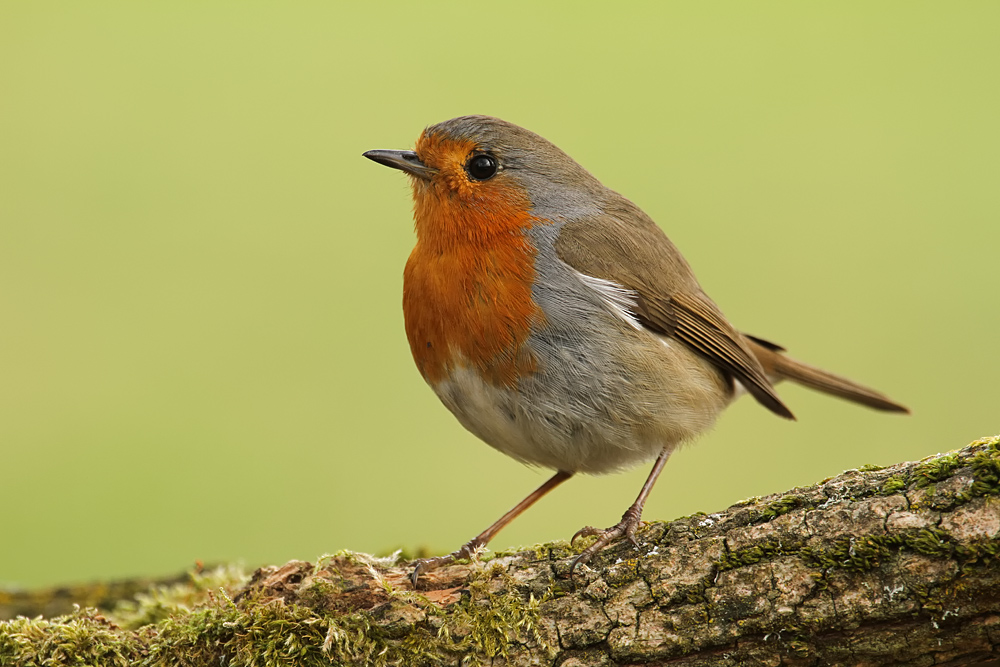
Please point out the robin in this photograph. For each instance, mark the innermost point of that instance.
(558, 322)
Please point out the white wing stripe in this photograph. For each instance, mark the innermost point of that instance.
(620, 301)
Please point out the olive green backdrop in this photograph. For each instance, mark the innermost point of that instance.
(201, 345)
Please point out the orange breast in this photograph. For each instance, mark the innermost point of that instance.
(467, 285)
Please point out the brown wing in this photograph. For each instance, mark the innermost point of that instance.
(626, 247)
(696, 321)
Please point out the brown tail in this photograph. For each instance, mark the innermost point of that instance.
(778, 367)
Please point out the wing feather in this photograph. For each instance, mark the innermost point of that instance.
(626, 247)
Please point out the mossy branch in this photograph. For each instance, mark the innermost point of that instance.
(893, 566)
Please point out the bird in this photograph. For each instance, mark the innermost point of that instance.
(558, 322)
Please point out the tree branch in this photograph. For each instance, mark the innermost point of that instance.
(893, 566)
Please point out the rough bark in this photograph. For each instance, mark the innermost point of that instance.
(893, 566)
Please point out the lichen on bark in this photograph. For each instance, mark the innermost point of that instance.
(877, 566)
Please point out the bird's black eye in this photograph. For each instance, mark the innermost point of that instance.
(482, 167)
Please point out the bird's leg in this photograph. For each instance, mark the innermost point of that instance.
(627, 526)
(480, 540)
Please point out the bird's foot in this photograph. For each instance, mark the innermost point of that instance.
(624, 529)
(424, 565)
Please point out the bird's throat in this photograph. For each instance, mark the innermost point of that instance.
(467, 292)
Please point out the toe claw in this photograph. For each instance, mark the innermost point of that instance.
(584, 558)
(415, 575)
(427, 564)
(586, 531)
(626, 528)
(604, 538)
(630, 534)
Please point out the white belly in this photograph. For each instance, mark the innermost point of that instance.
(592, 409)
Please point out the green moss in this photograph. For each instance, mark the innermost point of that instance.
(893, 485)
(867, 552)
(986, 472)
(765, 550)
(851, 553)
(782, 505)
(752, 500)
(495, 619)
(317, 591)
(870, 467)
(255, 632)
(935, 470)
(160, 602)
(546, 551)
(480, 627)
(695, 593)
(800, 647)
(360, 558)
(84, 637)
(985, 465)
(208, 629)
(624, 572)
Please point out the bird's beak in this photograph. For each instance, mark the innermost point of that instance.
(404, 161)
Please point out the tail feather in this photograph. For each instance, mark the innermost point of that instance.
(778, 366)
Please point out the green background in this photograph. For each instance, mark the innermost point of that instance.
(201, 344)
